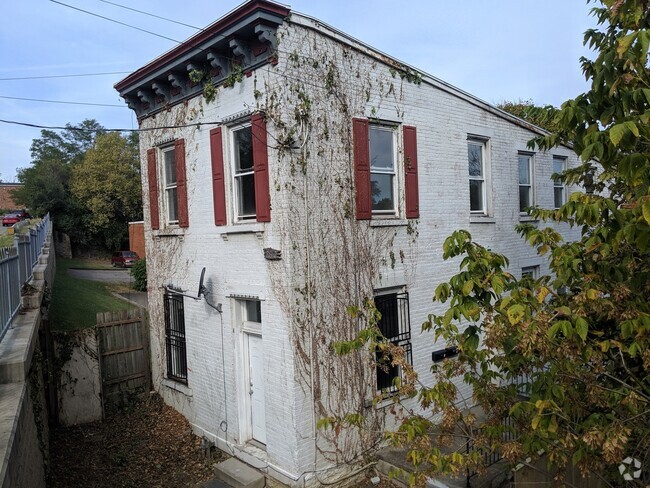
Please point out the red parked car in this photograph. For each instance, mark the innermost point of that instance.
(10, 219)
(124, 259)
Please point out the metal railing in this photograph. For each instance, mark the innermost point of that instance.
(17, 269)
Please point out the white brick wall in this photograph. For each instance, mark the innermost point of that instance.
(306, 225)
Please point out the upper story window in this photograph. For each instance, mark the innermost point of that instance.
(243, 173)
(530, 272)
(559, 190)
(246, 153)
(170, 185)
(476, 155)
(382, 169)
(167, 185)
(377, 172)
(526, 195)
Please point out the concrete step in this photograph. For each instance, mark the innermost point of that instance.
(237, 474)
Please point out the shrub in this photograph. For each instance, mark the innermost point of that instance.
(139, 274)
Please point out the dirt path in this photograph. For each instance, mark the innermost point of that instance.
(105, 275)
(150, 445)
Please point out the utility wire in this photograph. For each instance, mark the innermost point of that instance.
(116, 21)
(151, 15)
(63, 101)
(64, 76)
(83, 129)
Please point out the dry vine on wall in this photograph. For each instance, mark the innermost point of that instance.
(335, 261)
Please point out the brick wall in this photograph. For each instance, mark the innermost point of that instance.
(6, 196)
(136, 238)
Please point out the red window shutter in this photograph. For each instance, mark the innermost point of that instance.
(411, 173)
(218, 180)
(181, 183)
(362, 168)
(153, 188)
(261, 167)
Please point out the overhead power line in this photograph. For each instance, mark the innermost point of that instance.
(64, 76)
(116, 21)
(64, 102)
(151, 15)
(83, 129)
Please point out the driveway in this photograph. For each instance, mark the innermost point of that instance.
(105, 275)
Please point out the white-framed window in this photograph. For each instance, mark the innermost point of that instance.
(170, 184)
(530, 272)
(383, 173)
(395, 326)
(526, 192)
(243, 173)
(476, 155)
(559, 190)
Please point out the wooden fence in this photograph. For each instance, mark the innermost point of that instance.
(123, 343)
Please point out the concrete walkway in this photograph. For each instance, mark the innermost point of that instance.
(105, 275)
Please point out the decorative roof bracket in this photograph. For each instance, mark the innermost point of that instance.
(267, 35)
(219, 63)
(241, 50)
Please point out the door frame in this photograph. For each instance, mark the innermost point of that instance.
(244, 410)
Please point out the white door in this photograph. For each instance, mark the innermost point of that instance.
(256, 375)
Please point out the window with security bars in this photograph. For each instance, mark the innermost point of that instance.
(175, 337)
(395, 326)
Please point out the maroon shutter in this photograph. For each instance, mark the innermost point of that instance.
(261, 167)
(411, 173)
(153, 188)
(218, 181)
(181, 183)
(362, 168)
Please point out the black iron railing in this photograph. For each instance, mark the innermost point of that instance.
(175, 337)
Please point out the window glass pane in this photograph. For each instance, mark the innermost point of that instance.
(246, 195)
(243, 140)
(558, 165)
(475, 195)
(524, 198)
(389, 321)
(381, 147)
(253, 310)
(172, 210)
(381, 188)
(170, 167)
(475, 156)
(524, 170)
(559, 196)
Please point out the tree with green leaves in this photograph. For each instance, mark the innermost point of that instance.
(541, 116)
(107, 180)
(566, 357)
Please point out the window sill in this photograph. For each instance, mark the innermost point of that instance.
(169, 232)
(481, 219)
(242, 228)
(528, 218)
(179, 387)
(388, 222)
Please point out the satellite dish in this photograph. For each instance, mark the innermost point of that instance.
(202, 289)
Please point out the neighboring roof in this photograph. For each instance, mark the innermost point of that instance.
(10, 184)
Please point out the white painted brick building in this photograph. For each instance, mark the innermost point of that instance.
(321, 173)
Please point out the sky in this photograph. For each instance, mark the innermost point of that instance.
(496, 50)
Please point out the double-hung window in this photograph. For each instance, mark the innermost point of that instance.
(526, 196)
(477, 176)
(382, 169)
(170, 184)
(381, 187)
(167, 184)
(175, 337)
(244, 173)
(395, 326)
(559, 190)
(530, 272)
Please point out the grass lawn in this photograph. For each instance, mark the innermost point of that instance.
(75, 302)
